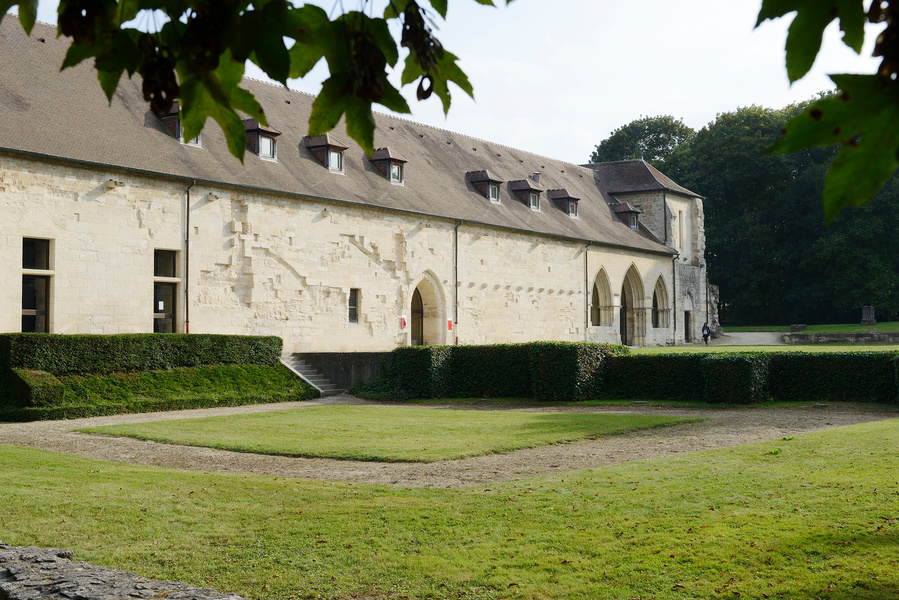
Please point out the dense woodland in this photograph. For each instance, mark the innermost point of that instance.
(766, 243)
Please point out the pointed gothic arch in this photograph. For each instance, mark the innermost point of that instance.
(631, 315)
(661, 309)
(428, 310)
(601, 304)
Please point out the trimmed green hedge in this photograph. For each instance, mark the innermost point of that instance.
(843, 376)
(656, 376)
(67, 354)
(556, 371)
(36, 388)
(541, 370)
(736, 378)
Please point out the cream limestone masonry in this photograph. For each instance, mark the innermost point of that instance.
(266, 264)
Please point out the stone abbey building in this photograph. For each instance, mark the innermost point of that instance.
(111, 222)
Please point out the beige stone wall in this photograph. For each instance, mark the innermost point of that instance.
(263, 264)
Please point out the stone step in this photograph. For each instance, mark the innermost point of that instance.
(305, 371)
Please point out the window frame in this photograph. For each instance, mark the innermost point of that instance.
(274, 147)
(335, 153)
(493, 192)
(572, 209)
(395, 173)
(38, 274)
(632, 220)
(534, 200)
(166, 281)
(353, 305)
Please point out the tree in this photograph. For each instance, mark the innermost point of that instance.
(198, 55)
(766, 243)
(864, 117)
(650, 138)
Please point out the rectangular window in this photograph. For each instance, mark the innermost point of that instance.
(396, 173)
(266, 147)
(165, 291)
(335, 161)
(534, 200)
(164, 263)
(35, 286)
(353, 304)
(572, 209)
(493, 192)
(632, 220)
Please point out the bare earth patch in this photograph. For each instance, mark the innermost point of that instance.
(723, 427)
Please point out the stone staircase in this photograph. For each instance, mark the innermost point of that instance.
(310, 375)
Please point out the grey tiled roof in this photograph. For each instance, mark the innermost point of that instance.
(53, 114)
(630, 176)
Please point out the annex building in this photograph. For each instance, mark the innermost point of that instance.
(110, 223)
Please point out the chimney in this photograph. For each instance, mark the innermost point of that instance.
(536, 176)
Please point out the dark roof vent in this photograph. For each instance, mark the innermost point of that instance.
(483, 181)
(564, 200)
(389, 164)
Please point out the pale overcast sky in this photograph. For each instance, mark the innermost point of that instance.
(556, 77)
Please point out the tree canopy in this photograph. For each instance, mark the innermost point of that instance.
(199, 52)
(863, 119)
(650, 138)
(766, 243)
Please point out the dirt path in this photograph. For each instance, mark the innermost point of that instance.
(723, 427)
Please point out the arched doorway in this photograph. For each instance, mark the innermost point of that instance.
(427, 311)
(632, 327)
(601, 301)
(625, 323)
(417, 324)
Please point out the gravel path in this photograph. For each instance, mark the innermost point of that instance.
(723, 427)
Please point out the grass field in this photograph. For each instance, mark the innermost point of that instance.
(888, 327)
(815, 516)
(385, 433)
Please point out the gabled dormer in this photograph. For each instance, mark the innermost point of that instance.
(172, 122)
(485, 183)
(328, 150)
(528, 190)
(565, 201)
(626, 213)
(261, 140)
(390, 164)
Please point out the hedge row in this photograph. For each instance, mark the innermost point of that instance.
(749, 377)
(68, 354)
(574, 371)
(541, 370)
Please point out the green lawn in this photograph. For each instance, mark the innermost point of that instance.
(784, 348)
(385, 433)
(888, 327)
(816, 516)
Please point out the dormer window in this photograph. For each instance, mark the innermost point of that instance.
(626, 213)
(261, 140)
(390, 164)
(565, 201)
(528, 191)
(172, 122)
(328, 150)
(486, 184)
(266, 147)
(335, 160)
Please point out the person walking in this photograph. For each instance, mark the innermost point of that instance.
(706, 333)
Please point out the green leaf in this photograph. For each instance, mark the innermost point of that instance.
(328, 106)
(127, 11)
(381, 34)
(360, 124)
(77, 53)
(109, 81)
(395, 8)
(216, 94)
(27, 13)
(393, 100)
(807, 29)
(440, 7)
(310, 28)
(864, 119)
